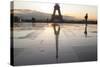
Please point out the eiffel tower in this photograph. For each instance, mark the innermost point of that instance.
(58, 17)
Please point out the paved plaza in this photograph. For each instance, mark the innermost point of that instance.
(36, 43)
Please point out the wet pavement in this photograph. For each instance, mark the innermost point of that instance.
(36, 44)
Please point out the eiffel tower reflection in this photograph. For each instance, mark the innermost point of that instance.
(56, 28)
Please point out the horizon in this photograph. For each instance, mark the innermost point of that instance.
(77, 11)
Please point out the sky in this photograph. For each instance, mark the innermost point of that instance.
(77, 11)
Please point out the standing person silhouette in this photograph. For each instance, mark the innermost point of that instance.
(86, 17)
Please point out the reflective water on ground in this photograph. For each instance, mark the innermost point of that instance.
(37, 43)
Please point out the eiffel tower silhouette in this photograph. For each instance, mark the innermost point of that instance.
(57, 17)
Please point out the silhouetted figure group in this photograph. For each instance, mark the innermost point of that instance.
(56, 28)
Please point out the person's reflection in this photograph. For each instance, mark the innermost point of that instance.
(85, 35)
(56, 28)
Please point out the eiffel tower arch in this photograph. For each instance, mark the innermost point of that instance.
(57, 17)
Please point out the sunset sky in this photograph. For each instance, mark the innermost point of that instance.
(77, 11)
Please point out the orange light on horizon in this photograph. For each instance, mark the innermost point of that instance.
(77, 11)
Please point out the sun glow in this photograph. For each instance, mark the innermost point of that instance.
(77, 11)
